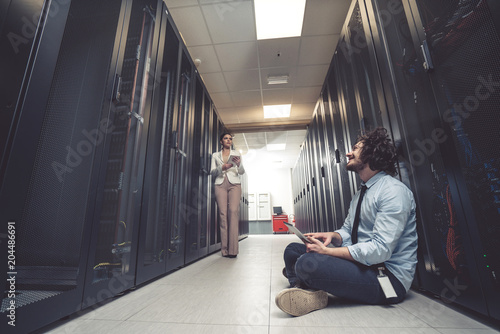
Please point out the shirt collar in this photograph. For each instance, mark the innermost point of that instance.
(374, 179)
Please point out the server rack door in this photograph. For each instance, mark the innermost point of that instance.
(113, 246)
(155, 221)
(194, 204)
(178, 176)
(206, 179)
(331, 166)
(19, 37)
(444, 241)
(214, 215)
(319, 186)
(464, 45)
(306, 200)
(344, 141)
(327, 161)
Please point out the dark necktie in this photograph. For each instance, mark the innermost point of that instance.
(355, 225)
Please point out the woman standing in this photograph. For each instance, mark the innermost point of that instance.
(226, 169)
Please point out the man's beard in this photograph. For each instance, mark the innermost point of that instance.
(355, 167)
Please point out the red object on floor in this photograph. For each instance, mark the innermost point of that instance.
(278, 225)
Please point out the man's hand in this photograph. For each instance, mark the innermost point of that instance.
(316, 246)
(326, 237)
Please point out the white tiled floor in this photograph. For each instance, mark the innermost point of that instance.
(221, 295)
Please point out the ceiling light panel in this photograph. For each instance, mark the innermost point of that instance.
(279, 18)
(277, 111)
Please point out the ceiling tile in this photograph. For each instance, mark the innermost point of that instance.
(237, 56)
(215, 82)
(302, 111)
(229, 3)
(278, 137)
(209, 62)
(279, 52)
(246, 115)
(312, 75)
(180, 3)
(247, 98)
(228, 114)
(306, 94)
(230, 22)
(191, 25)
(222, 100)
(242, 80)
(330, 13)
(277, 96)
(323, 47)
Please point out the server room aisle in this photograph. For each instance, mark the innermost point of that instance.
(222, 295)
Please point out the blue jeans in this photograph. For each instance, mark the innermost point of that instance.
(339, 277)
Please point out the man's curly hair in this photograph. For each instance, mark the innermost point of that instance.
(378, 151)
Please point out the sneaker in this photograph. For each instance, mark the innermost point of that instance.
(298, 302)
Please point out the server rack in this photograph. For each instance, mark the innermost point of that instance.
(114, 235)
(193, 209)
(330, 167)
(206, 178)
(155, 217)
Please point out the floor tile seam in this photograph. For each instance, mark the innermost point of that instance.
(408, 310)
(350, 326)
(202, 323)
(150, 302)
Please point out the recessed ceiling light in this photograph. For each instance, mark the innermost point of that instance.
(277, 111)
(279, 18)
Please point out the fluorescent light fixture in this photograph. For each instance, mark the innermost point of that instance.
(277, 111)
(279, 18)
(277, 79)
(276, 147)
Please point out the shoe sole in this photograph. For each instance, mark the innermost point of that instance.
(298, 302)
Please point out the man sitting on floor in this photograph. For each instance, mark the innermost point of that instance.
(378, 236)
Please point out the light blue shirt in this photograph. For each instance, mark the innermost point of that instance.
(387, 227)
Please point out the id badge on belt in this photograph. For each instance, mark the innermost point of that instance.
(385, 284)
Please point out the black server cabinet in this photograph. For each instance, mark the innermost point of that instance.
(205, 190)
(332, 162)
(337, 150)
(55, 141)
(317, 183)
(112, 260)
(179, 163)
(20, 36)
(214, 238)
(327, 161)
(195, 191)
(155, 216)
